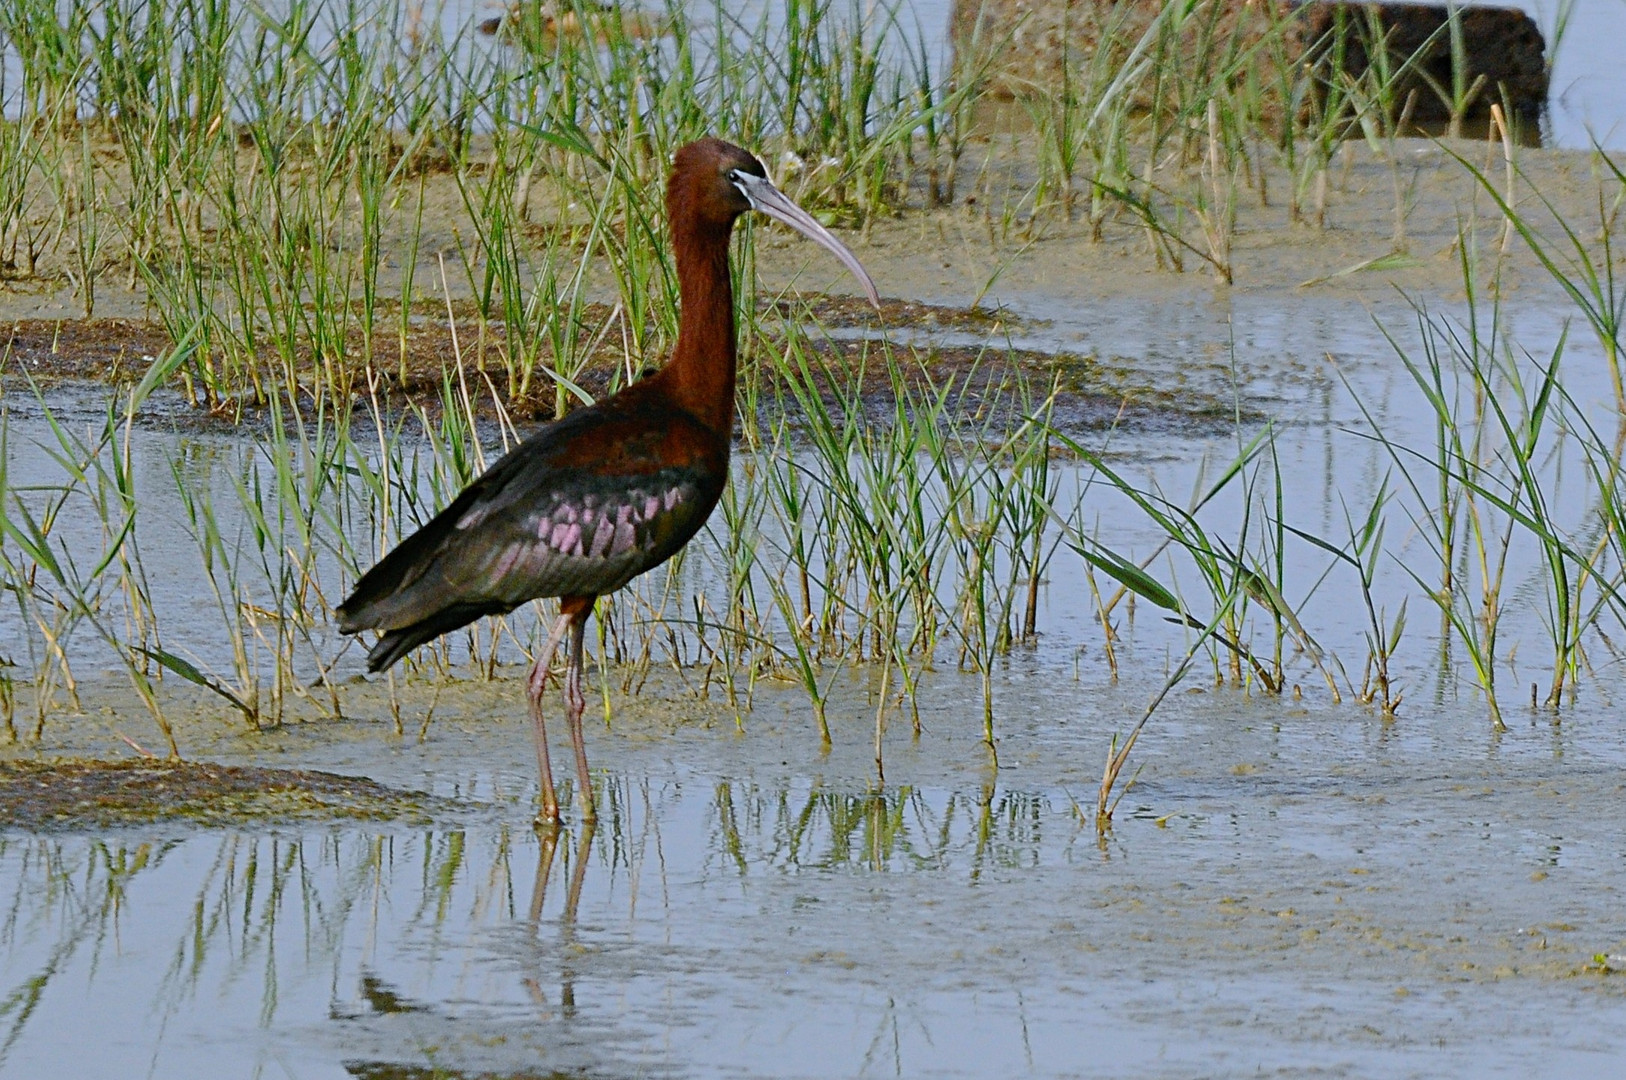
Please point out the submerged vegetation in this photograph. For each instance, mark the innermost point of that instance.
(271, 178)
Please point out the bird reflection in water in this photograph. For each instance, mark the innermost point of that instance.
(567, 918)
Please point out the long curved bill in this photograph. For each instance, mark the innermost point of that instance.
(763, 196)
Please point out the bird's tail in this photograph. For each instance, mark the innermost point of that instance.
(397, 643)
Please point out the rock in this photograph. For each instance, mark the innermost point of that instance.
(1502, 46)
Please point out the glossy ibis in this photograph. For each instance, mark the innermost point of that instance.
(588, 503)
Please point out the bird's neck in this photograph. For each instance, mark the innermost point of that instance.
(701, 372)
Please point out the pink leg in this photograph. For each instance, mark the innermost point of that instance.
(549, 817)
(576, 703)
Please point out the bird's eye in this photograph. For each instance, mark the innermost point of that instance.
(742, 183)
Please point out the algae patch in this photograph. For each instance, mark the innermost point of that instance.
(78, 794)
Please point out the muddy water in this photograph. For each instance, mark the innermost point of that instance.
(1290, 891)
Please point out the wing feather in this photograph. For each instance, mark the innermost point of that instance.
(539, 524)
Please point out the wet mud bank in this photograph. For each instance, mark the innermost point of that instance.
(94, 796)
(970, 354)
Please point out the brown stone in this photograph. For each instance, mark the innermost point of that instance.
(1501, 46)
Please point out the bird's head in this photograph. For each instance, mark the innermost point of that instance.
(714, 182)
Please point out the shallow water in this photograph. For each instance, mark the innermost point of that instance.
(1288, 891)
